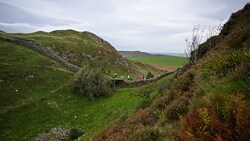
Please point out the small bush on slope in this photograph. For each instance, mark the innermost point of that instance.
(91, 82)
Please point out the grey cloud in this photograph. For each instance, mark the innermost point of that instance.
(10, 14)
(146, 25)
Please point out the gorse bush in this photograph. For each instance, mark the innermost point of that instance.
(92, 82)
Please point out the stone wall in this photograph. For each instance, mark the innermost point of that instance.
(42, 50)
(122, 83)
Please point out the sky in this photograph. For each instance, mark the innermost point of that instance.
(146, 25)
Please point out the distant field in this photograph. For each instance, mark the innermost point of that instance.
(161, 60)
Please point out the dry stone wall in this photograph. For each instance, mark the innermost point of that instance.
(42, 50)
(122, 83)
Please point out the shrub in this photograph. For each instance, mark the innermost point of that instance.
(92, 82)
(150, 75)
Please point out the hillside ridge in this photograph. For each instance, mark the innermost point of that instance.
(78, 48)
(42, 50)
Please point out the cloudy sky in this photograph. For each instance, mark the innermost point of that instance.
(145, 25)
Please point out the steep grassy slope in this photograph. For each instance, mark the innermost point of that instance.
(25, 75)
(77, 47)
(208, 99)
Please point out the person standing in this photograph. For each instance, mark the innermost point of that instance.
(140, 78)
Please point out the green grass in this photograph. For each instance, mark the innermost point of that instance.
(161, 60)
(17, 64)
(32, 105)
(63, 108)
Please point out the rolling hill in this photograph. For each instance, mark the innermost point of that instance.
(77, 47)
(207, 99)
(36, 72)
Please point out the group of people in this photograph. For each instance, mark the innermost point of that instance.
(141, 77)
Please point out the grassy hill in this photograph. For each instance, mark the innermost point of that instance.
(36, 96)
(77, 47)
(207, 100)
(36, 92)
